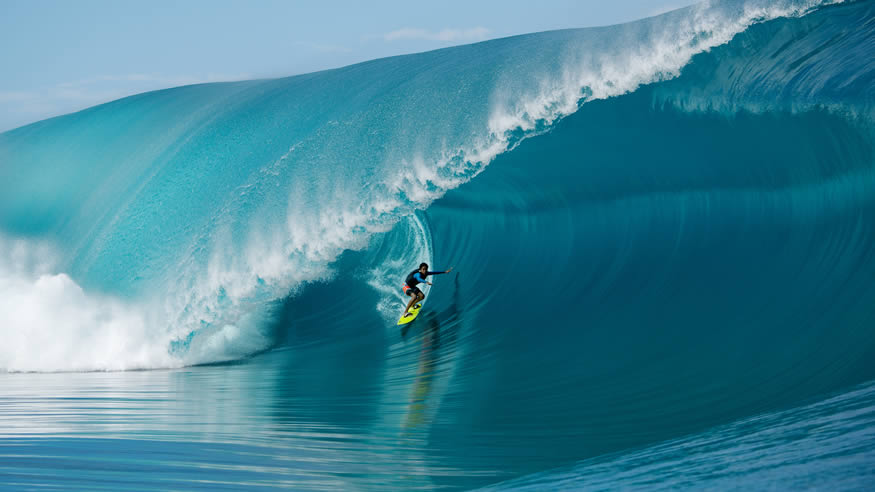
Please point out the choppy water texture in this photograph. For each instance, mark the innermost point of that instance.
(662, 235)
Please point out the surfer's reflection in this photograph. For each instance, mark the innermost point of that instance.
(417, 413)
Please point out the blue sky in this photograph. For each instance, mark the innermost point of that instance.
(62, 56)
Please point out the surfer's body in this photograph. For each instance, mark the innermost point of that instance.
(415, 278)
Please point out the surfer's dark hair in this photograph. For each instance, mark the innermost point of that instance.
(423, 265)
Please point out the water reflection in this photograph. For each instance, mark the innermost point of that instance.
(416, 414)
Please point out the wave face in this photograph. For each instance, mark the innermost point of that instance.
(659, 227)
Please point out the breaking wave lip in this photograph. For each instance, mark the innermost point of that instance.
(217, 311)
(657, 58)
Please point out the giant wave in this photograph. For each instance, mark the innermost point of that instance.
(187, 212)
(659, 227)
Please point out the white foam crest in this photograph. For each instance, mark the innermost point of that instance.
(224, 308)
(221, 311)
(586, 76)
(50, 323)
(590, 76)
(421, 180)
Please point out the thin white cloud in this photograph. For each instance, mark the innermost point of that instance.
(446, 35)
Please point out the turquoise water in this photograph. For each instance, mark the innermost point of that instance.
(662, 237)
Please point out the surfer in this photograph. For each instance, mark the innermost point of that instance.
(415, 277)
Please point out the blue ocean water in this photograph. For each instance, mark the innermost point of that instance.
(662, 237)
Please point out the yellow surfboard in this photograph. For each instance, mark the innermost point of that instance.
(410, 316)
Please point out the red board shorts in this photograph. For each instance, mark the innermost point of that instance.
(410, 291)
